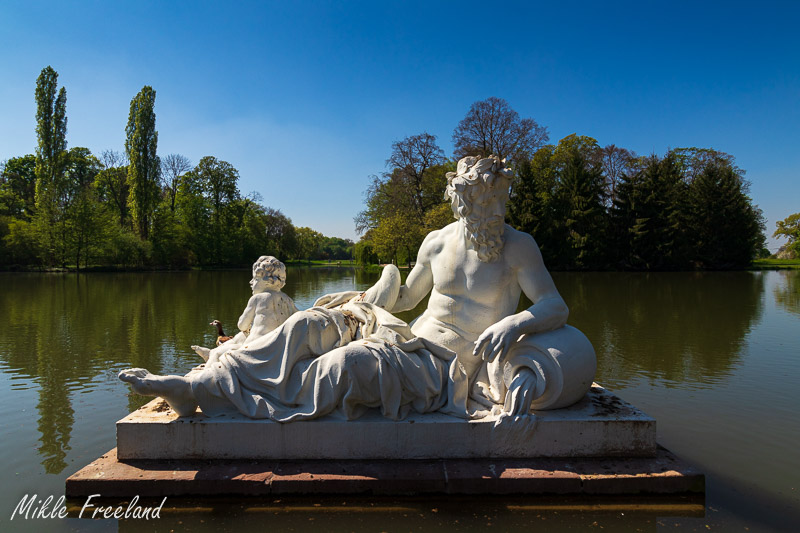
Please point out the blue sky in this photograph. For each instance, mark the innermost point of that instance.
(306, 98)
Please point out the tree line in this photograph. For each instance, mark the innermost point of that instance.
(588, 207)
(66, 207)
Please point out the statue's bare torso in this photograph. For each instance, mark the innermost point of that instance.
(469, 295)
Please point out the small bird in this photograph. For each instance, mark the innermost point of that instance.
(221, 337)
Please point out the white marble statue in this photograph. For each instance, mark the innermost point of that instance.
(469, 354)
(267, 309)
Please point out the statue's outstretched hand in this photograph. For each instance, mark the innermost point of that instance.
(497, 339)
(336, 298)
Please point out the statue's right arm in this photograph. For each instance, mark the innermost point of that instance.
(420, 281)
(418, 284)
(249, 313)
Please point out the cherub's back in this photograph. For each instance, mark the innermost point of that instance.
(272, 310)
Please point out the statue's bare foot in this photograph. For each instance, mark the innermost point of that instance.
(137, 379)
(202, 351)
(176, 390)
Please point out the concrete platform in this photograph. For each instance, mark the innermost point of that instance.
(600, 425)
(113, 478)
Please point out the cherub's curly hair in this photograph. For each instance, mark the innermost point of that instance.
(269, 269)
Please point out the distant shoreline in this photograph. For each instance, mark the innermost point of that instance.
(757, 265)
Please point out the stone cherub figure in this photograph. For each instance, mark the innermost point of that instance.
(267, 309)
(469, 354)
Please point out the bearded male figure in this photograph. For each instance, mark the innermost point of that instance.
(475, 270)
(469, 354)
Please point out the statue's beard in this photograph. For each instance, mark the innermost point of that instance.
(486, 235)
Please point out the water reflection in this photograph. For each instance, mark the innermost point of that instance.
(69, 332)
(787, 291)
(686, 328)
(63, 331)
(305, 285)
(502, 513)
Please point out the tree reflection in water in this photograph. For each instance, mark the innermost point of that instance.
(71, 333)
(676, 327)
(787, 292)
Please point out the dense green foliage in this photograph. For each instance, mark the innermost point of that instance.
(687, 209)
(588, 207)
(69, 208)
(790, 229)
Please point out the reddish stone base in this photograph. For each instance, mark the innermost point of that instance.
(662, 474)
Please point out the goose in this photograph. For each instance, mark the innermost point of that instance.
(221, 337)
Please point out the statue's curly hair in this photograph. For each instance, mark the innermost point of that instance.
(473, 183)
(472, 179)
(269, 269)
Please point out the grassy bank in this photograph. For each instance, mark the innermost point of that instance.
(321, 262)
(775, 264)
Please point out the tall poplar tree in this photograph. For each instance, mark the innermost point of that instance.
(141, 142)
(51, 132)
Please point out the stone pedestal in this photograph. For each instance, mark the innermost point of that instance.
(114, 478)
(600, 425)
(600, 446)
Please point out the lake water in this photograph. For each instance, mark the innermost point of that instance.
(714, 357)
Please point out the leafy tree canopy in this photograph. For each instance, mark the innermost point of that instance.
(789, 228)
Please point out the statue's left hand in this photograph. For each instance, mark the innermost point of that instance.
(497, 339)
